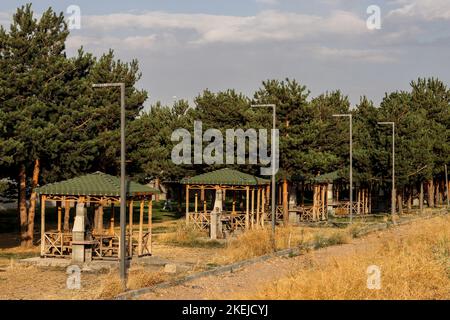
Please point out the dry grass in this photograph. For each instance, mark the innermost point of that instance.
(415, 266)
(258, 242)
(184, 235)
(188, 236)
(138, 277)
(17, 253)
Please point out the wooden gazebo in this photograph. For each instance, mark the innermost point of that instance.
(327, 199)
(90, 195)
(255, 190)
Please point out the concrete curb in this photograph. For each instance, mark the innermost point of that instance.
(281, 253)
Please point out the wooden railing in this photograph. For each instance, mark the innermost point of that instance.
(57, 244)
(343, 208)
(230, 220)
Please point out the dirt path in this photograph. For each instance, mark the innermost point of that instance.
(249, 279)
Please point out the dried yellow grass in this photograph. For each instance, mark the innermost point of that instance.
(141, 278)
(138, 277)
(415, 266)
(184, 235)
(258, 242)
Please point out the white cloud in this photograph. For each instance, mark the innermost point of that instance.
(131, 43)
(365, 55)
(423, 9)
(266, 25)
(268, 2)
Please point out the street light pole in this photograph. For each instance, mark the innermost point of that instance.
(273, 106)
(351, 160)
(393, 166)
(123, 199)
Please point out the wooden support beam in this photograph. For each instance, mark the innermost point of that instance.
(111, 223)
(66, 225)
(130, 225)
(258, 197)
(100, 217)
(315, 203)
(285, 203)
(323, 194)
(196, 203)
(149, 230)
(43, 199)
(59, 215)
(253, 208)
(263, 205)
(280, 193)
(141, 226)
(202, 193)
(187, 204)
(247, 209)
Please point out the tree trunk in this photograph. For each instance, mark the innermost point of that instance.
(302, 194)
(400, 202)
(436, 194)
(23, 206)
(33, 197)
(421, 198)
(430, 191)
(409, 200)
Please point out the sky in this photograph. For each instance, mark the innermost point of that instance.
(186, 46)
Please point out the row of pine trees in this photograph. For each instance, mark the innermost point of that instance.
(54, 125)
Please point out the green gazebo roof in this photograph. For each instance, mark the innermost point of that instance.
(94, 184)
(226, 176)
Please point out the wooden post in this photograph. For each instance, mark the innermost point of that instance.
(130, 223)
(253, 208)
(141, 226)
(258, 195)
(59, 215)
(187, 204)
(150, 216)
(202, 193)
(111, 223)
(66, 225)
(196, 203)
(285, 203)
(43, 199)
(323, 201)
(263, 205)
(100, 217)
(247, 213)
(280, 189)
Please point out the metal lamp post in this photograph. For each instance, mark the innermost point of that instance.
(351, 160)
(122, 266)
(273, 106)
(393, 165)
